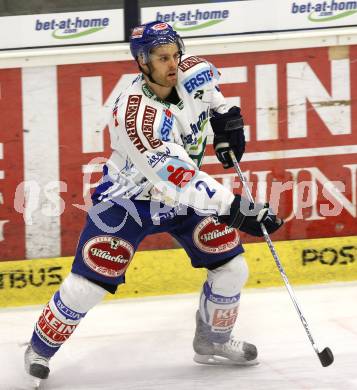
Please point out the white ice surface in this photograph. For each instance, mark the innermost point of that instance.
(145, 344)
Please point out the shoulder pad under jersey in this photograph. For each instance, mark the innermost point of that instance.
(196, 72)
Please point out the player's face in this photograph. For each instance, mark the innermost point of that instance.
(164, 62)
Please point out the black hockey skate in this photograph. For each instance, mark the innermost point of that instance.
(231, 352)
(36, 366)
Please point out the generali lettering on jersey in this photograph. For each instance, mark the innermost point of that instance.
(148, 127)
(300, 113)
(131, 114)
(189, 63)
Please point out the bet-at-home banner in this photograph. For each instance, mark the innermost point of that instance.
(252, 16)
(60, 29)
(300, 115)
(190, 20)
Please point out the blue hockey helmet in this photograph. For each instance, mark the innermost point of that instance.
(147, 36)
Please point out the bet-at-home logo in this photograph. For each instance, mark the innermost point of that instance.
(325, 11)
(72, 27)
(191, 20)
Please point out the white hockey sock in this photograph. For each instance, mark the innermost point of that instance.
(220, 296)
(63, 313)
(219, 313)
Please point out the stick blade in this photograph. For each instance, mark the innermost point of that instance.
(326, 357)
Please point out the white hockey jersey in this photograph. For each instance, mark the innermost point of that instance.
(158, 147)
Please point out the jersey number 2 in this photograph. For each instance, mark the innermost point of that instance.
(201, 184)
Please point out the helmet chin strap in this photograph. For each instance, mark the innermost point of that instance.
(149, 75)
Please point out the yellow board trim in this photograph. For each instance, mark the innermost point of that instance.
(164, 272)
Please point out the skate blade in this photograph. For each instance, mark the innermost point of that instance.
(222, 361)
(34, 383)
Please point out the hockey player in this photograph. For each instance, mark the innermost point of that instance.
(153, 183)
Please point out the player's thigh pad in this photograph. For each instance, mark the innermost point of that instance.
(104, 256)
(229, 279)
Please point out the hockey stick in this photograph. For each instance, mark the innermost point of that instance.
(326, 355)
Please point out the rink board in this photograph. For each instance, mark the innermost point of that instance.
(300, 111)
(169, 271)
